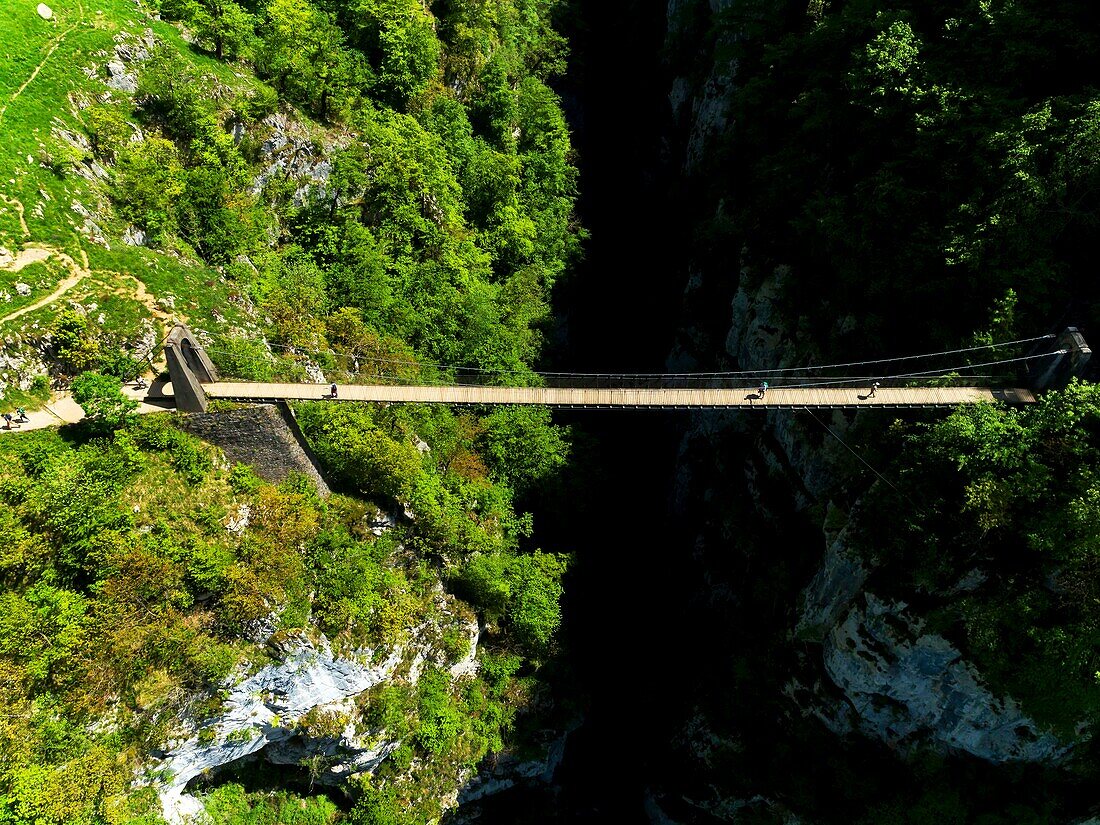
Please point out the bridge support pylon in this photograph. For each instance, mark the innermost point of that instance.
(189, 368)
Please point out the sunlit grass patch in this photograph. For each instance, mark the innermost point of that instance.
(159, 490)
(41, 278)
(38, 165)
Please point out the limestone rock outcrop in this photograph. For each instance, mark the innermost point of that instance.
(838, 580)
(261, 712)
(291, 153)
(307, 707)
(909, 688)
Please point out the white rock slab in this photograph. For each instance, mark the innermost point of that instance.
(908, 686)
(262, 709)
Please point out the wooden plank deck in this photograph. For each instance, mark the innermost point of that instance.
(735, 398)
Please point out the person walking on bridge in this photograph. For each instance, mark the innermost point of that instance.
(874, 386)
(332, 390)
(763, 388)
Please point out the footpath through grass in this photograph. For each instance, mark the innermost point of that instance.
(54, 200)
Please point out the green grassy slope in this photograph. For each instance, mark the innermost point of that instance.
(48, 71)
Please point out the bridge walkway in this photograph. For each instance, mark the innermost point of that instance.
(628, 397)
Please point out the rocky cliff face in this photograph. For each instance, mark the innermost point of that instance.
(704, 105)
(866, 666)
(305, 708)
(260, 715)
(904, 686)
(912, 689)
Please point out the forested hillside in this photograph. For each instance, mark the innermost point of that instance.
(852, 617)
(330, 191)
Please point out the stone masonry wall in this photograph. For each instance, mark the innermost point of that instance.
(263, 436)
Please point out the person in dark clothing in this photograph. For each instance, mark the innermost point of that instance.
(874, 386)
(332, 390)
(7, 421)
(763, 388)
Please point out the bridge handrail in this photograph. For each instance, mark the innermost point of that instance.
(415, 374)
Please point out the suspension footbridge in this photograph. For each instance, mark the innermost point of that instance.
(882, 383)
(744, 397)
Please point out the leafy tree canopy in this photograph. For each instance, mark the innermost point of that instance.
(102, 399)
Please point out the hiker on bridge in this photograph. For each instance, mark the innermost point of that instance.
(763, 388)
(332, 390)
(7, 421)
(21, 415)
(874, 386)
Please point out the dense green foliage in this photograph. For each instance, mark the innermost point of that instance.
(430, 244)
(459, 516)
(129, 582)
(447, 214)
(77, 345)
(102, 400)
(932, 157)
(124, 592)
(100, 575)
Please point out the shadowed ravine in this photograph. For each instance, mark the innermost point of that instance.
(628, 620)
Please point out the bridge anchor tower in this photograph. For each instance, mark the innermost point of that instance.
(189, 368)
(1070, 354)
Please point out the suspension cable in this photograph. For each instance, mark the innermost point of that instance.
(148, 356)
(657, 375)
(866, 464)
(810, 382)
(932, 373)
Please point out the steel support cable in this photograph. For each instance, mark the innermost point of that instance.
(865, 463)
(841, 380)
(906, 357)
(934, 373)
(730, 373)
(147, 358)
(922, 509)
(917, 507)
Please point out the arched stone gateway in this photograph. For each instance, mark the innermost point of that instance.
(188, 368)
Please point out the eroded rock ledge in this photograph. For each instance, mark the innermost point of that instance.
(910, 688)
(302, 706)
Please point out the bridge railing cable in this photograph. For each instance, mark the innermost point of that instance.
(390, 370)
(765, 371)
(146, 360)
(947, 372)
